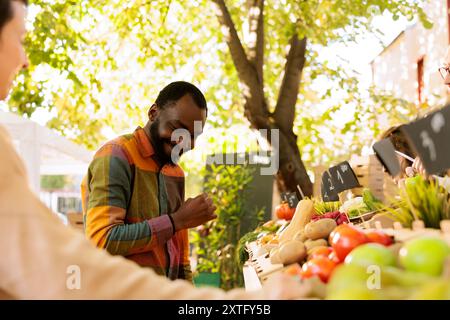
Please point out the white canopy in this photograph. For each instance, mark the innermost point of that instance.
(44, 151)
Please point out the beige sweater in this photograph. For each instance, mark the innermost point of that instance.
(41, 258)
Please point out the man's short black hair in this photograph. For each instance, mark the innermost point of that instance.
(6, 13)
(178, 89)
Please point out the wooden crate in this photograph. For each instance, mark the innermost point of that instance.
(418, 229)
(370, 175)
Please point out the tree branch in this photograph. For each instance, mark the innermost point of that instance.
(256, 43)
(237, 51)
(253, 90)
(287, 98)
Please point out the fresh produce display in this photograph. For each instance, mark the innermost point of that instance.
(347, 261)
(424, 200)
(266, 230)
(337, 216)
(319, 229)
(425, 254)
(302, 215)
(283, 211)
(291, 251)
(325, 207)
(371, 254)
(360, 205)
(318, 266)
(345, 238)
(379, 237)
(322, 251)
(371, 202)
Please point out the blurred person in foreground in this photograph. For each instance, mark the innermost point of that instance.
(42, 258)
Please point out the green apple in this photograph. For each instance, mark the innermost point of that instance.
(435, 290)
(355, 292)
(391, 276)
(371, 254)
(345, 275)
(425, 254)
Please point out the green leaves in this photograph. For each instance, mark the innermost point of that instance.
(217, 243)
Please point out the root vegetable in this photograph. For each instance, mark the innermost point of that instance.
(274, 256)
(320, 229)
(302, 215)
(291, 252)
(309, 244)
(300, 236)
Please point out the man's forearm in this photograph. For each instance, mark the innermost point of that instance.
(125, 239)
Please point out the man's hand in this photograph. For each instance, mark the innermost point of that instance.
(194, 212)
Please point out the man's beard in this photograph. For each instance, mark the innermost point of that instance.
(158, 144)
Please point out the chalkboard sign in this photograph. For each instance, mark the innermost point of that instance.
(430, 138)
(385, 152)
(343, 177)
(292, 199)
(328, 189)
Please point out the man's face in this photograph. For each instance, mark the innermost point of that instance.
(176, 127)
(12, 52)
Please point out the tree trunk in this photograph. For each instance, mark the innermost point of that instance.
(292, 171)
(249, 66)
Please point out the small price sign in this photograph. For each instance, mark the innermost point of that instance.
(328, 189)
(385, 152)
(430, 137)
(292, 199)
(343, 177)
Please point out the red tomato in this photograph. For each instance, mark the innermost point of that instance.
(289, 214)
(333, 257)
(283, 211)
(320, 266)
(380, 237)
(279, 211)
(324, 252)
(294, 270)
(345, 238)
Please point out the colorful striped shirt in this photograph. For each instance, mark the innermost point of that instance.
(126, 199)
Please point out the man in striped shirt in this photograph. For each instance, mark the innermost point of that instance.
(133, 193)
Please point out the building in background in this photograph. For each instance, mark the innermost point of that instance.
(408, 66)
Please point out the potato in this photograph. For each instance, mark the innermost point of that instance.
(274, 256)
(300, 236)
(291, 252)
(320, 229)
(309, 244)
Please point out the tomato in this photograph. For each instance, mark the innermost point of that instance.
(380, 237)
(333, 257)
(320, 266)
(345, 238)
(320, 251)
(283, 211)
(294, 270)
